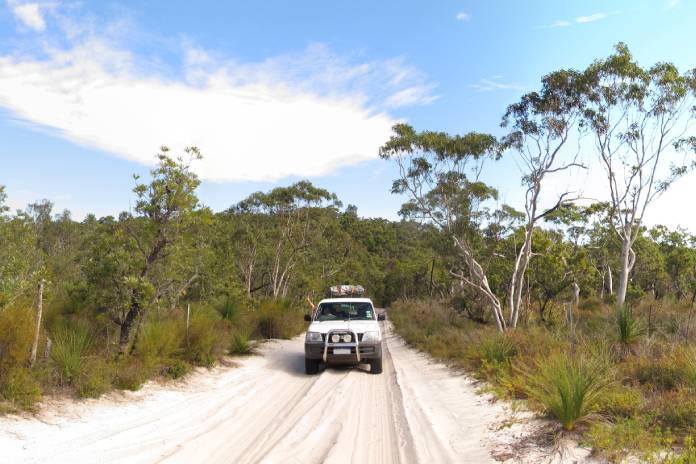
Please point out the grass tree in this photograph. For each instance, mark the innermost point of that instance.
(638, 118)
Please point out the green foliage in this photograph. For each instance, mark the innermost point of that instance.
(279, 319)
(131, 373)
(240, 343)
(16, 336)
(568, 386)
(620, 401)
(176, 368)
(628, 436)
(206, 341)
(19, 387)
(70, 348)
(629, 330)
(496, 349)
(687, 454)
(95, 378)
(160, 339)
(677, 410)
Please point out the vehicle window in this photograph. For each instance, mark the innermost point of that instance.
(345, 312)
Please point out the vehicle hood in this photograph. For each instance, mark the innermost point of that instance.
(357, 326)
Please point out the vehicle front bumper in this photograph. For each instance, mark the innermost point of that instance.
(366, 350)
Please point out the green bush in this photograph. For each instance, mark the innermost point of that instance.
(687, 455)
(206, 339)
(240, 343)
(95, 378)
(667, 372)
(160, 340)
(677, 410)
(70, 346)
(16, 336)
(614, 442)
(131, 373)
(568, 386)
(278, 319)
(620, 401)
(176, 368)
(591, 304)
(496, 349)
(20, 388)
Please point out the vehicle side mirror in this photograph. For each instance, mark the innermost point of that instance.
(308, 318)
(381, 317)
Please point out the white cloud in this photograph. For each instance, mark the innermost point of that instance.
(29, 14)
(493, 83)
(296, 115)
(410, 96)
(590, 18)
(672, 3)
(561, 23)
(461, 16)
(577, 20)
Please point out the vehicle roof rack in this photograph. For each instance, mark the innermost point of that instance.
(346, 291)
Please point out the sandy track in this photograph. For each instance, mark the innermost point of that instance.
(268, 410)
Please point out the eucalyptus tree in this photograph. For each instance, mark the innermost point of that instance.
(542, 123)
(638, 118)
(439, 174)
(125, 254)
(289, 219)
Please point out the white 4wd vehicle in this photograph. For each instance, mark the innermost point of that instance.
(344, 331)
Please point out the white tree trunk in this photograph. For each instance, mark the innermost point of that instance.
(37, 329)
(576, 294)
(517, 278)
(627, 259)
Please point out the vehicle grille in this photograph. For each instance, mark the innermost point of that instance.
(323, 336)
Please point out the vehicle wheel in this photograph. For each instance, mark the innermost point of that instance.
(376, 366)
(311, 366)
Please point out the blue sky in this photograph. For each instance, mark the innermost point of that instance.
(275, 91)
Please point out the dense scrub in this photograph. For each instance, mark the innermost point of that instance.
(621, 394)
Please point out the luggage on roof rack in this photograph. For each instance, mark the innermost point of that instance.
(338, 291)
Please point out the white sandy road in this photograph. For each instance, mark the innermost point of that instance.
(268, 410)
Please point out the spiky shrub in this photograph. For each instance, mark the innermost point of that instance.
(568, 386)
(70, 347)
(629, 330)
(240, 343)
(497, 349)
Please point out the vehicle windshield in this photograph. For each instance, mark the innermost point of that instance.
(348, 311)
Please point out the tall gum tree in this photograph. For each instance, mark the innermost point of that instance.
(439, 173)
(541, 124)
(296, 210)
(639, 119)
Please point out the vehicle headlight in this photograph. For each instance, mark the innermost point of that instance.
(346, 338)
(335, 338)
(313, 337)
(372, 337)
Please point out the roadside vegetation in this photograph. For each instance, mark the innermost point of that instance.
(171, 285)
(572, 305)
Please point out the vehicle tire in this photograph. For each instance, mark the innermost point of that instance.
(376, 366)
(311, 366)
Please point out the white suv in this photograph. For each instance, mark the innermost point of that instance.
(344, 331)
